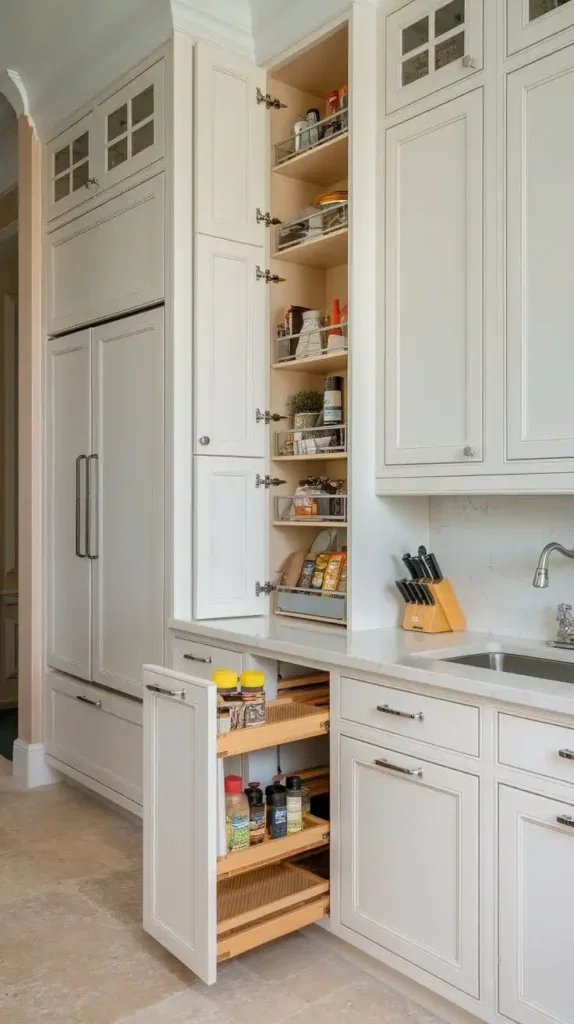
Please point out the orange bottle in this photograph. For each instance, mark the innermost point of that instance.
(335, 317)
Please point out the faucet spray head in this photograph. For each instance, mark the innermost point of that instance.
(540, 577)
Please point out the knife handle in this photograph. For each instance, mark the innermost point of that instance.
(433, 564)
(400, 585)
(409, 562)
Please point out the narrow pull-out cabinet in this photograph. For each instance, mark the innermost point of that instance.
(434, 306)
(69, 445)
(536, 907)
(230, 153)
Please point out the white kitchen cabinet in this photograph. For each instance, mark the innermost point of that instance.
(430, 45)
(409, 849)
(530, 21)
(180, 818)
(536, 907)
(540, 212)
(229, 537)
(434, 290)
(69, 445)
(105, 493)
(127, 546)
(229, 349)
(109, 261)
(119, 137)
(230, 151)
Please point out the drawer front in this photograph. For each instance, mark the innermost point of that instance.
(440, 722)
(97, 733)
(201, 659)
(536, 747)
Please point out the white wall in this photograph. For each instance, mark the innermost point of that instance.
(489, 547)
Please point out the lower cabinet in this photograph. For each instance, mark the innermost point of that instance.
(95, 736)
(410, 859)
(536, 907)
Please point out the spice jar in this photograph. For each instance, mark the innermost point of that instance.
(223, 718)
(253, 698)
(228, 692)
(254, 795)
(294, 804)
(236, 814)
(277, 812)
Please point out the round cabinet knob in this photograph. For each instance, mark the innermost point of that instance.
(205, 439)
(468, 61)
(468, 452)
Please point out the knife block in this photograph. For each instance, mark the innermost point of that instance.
(444, 616)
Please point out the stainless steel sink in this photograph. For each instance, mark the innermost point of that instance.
(519, 664)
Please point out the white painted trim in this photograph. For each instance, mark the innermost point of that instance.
(10, 482)
(92, 784)
(199, 23)
(30, 767)
(15, 92)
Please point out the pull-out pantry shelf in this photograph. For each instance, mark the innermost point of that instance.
(315, 834)
(239, 940)
(285, 722)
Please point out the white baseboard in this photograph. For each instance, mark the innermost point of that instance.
(30, 768)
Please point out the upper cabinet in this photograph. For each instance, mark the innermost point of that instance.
(230, 151)
(430, 45)
(434, 298)
(121, 136)
(540, 299)
(530, 21)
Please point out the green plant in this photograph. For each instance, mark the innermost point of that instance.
(307, 401)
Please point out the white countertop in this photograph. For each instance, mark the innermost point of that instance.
(395, 652)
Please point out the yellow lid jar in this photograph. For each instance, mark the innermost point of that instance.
(227, 683)
(253, 697)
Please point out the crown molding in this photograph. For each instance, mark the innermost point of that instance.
(216, 23)
(13, 88)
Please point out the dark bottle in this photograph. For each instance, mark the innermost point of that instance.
(277, 812)
(256, 813)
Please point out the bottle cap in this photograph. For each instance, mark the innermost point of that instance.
(278, 798)
(224, 678)
(233, 784)
(252, 680)
(273, 788)
(293, 782)
(254, 793)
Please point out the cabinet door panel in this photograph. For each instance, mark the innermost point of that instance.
(229, 537)
(409, 860)
(71, 168)
(128, 619)
(536, 908)
(427, 43)
(69, 443)
(180, 817)
(530, 21)
(540, 297)
(229, 348)
(130, 126)
(434, 289)
(230, 146)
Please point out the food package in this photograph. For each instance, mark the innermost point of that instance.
(321, 563)
(334, 570)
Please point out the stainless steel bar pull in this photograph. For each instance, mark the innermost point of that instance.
(568, 754)
(93, 553)
(79, 552)
(192, 657)
(92, 703)
(400, 714)
(165, 693)
(381, 763)
(565, 819)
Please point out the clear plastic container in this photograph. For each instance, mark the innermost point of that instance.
(236, 814)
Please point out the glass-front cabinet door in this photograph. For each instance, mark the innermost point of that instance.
(70, 176)
(530, 21)
(431, 45)
(130, 126)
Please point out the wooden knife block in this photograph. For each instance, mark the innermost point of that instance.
(445, 616)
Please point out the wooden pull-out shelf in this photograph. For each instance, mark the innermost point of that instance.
(315, 834)
(285, 722)
(246, 898)
(239, 940)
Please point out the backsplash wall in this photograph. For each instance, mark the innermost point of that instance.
(489, 546)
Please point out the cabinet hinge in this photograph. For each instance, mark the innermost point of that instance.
(266, 218)
(267, 276)
(271, 102)
(268, 481)
(268, 417)
(264, 588)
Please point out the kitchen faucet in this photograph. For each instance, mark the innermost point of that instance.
(541, 574)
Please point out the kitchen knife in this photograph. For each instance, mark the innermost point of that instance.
(424, 597)
(420, 568)
(429, 593)
(400, 585)
(433, 565)
(410, 587)
(409, 562)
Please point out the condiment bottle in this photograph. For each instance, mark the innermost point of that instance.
(254, 795)
(294, 803)
(227, 683)
(236, 814)
(277, 812)
(253, 698)
(333, 400)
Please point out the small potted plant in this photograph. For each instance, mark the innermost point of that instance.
(306, 407)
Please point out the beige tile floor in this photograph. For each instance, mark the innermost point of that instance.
(72, 950)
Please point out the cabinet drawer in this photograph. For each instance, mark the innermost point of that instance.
(429, 719)
(201, 659)
(536, 747)
(96, 732)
